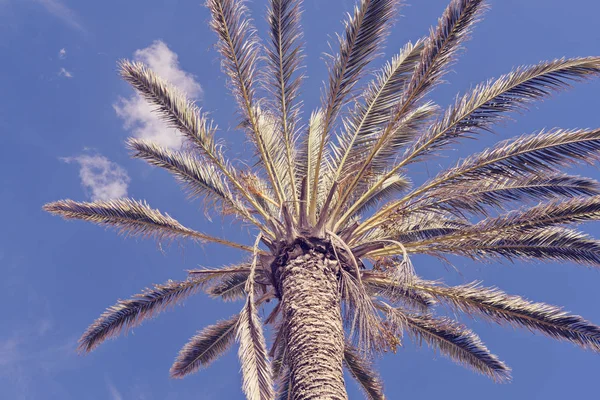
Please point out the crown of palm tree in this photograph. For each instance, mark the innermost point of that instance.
(337, 183)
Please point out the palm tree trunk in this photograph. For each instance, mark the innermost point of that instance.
(310, 303)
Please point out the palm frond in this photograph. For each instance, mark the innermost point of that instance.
(182, 114)
(127, 314)
(553, 244)
(452, 340)
(478, 195)
(132, 218)
(200, 178)
(205, 347)
(363, 372)
(389, 188)
(365, 32)
(437, 56)
(529, 155)
(256, 369)
(442, 46)
(382, 95)
(309, 155)
(502, 308)
(284, 58)
(386, 286)
(230, 287)
(173, 107)
(284, 390)
(487, 103)
(239, 48)
(360, 316)
(544, 215)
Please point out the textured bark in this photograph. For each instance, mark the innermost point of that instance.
(314, 330)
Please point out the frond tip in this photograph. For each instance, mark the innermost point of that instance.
(202, 349)
(452, 340)
(497, 306)
(363, 372)
(127, 314)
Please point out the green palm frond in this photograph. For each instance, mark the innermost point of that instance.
(201, 178)
(127, 314)
(284, 61)
(438, 54)
(528, 155)
(363, 372)
(365, 32)
(477, 196)
(392, 186)
(382, 95)
(230, 287)
(239, 47)
(502, 308)
(389, 288)
(132, 218)
(452, 340)
(205, 347)
(553, 244)
(182, 114)
(487, 103)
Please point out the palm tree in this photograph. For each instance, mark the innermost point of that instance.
(335, 218)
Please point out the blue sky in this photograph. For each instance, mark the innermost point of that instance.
(64, 116)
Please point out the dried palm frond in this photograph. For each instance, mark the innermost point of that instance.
(205, 347)
(364, 324)
(365, 32)
(452, 340)
(256, 369)
(239, 48)
(476, 195)
(132, 218)
(382, 94)
(502, 308)
(284, 59)
(309, 156)
(284, 387)
(127, 314)
(273, 139)
(487, 103)
(363, 373)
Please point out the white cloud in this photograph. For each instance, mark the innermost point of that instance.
(64, 73)
(138, 116)
(61, 11)
(103, 178)
(62, 53)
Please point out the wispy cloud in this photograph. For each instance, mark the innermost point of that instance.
(103, 178)
(64, 73)
(30, 359)
(62, 53)
(61, 11)
(114, 392)
(138, 116)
